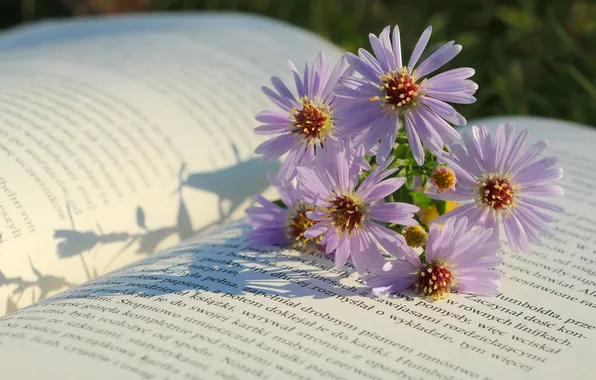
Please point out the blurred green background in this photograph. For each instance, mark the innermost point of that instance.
(531, 57)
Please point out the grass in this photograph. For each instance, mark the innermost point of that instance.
(531, 57)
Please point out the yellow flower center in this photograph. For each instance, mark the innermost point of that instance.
(443, 178)
(415, 236)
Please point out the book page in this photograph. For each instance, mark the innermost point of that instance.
(211, 308)
(121, 136)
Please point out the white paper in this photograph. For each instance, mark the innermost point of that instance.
(122, 136)
(212, 308)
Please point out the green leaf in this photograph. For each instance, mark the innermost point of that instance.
(421, 199)
(279, 203)
(441, 207)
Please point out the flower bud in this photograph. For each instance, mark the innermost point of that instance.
(443, 178)
(415, 236)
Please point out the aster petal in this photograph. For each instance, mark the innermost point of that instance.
(386, 145)
(444, 110)
(429, 136)
(273, 117)
(466, 210)
(342, 252)
(310, 181)
(534, 178)
(287, 170)
(281, 102)
(439, 58)
(384, 55)
(366, 90)
(271, 129)
(449, 86)
(414, 139)
(530, 227)
(515, 234)
(371, 61)
(394, 212)
(478, 286)
(362, 68)
(536, 166)
(316, 215)
(530, 154)
(515, 150)
(503, 143)
(331, 242)
(276, 146)
(393, 243)
(397, 277)
(316, 230)
(297, 79)
(459, 194)
(386, 44)
(282, 89)
(266, 237)
(454, 74)
(357, 116)
(383, 189)
(318, 70)
(365, 253)
(544, 191)
(453, 97)
(397, 47)
(420, 46)
(334, 78)
(463, 177)
(446, 132)
(541, 203)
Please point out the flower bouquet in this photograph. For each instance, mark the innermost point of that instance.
(374, 171)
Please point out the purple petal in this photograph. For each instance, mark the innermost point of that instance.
(444, 110)
(271, 129)
(384, 56)
(342, 252)
(515, 234)
(439, 58)
(281, 88)
(454, 74)
(273, 117)
(365, 70)
(453, 97)
(420, 46)
(397, 47)
(316, 230)
(297, 79)
(544, 191)
(414, 139)
(394, 212)
(383, 189)
(276, 146)
(283, 103)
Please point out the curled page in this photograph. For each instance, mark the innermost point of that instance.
(213, 308)
(122, 136)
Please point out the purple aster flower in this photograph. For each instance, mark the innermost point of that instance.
(456, 258)
(506, 182)
(275, 225)
(306, 122)
(352, 217)
(389, 89)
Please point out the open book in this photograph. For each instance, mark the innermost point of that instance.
(123, 136)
